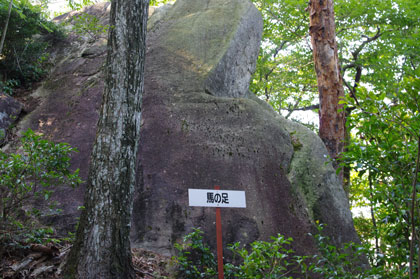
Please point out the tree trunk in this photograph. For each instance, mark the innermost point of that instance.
(330, 83)
(6, 25)
(102, 247)
(413, 212)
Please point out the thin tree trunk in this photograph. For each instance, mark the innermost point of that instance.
(6, 25)
(413, 212)
(330, 83)
(372, 214)
(102, 247)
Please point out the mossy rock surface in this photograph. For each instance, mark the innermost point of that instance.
(201, 127)
(315, 180)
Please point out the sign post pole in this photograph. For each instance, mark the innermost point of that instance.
(217, 198)
(219, 240)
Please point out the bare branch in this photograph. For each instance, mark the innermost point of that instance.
(357, 79)
(352, 91)
(311, 107)
(294, 108)
(348, 66)
(365, 42)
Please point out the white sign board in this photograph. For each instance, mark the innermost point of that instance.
(216, 198)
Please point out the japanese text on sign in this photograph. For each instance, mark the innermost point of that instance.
(216, 198)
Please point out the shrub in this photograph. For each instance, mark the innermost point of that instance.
(265, 260)
(31, 175)
(24, 55)
(276, 260)
(195, 260)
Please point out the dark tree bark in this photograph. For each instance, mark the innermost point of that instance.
(330, 83)
(6, 25)
(102, 248)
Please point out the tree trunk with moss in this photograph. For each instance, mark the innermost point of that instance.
(330, 83)
(102, 247)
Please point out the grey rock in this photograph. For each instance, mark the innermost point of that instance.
(315, 181)
(10, 110)
(201, 127)
(215, 44)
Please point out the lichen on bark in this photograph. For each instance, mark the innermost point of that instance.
(102, 247)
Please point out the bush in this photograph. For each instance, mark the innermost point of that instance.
(265, 260)
(29, 176)
(195, 260)
(28, 36)
(276, 260)
(272, 259)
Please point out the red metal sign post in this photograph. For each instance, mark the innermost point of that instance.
(217, 198)
(219, 240)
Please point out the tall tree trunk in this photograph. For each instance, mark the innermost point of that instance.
(6, 25)
(413, 212)
(102, 248)
(330, 83)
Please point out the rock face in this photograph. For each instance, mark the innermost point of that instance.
(212, 45)
(10, 110)
(315, 180)
(201, 127)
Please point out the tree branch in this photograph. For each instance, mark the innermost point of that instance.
(348, 66)
(311, 107)
(356, 53)
(275, 53)
(359, 68)
(357, 78)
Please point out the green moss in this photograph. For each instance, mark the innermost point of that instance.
(185, 126)
(188, 42)
(53, 84)
(296, 143)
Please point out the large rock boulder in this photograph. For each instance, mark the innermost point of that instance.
(197, 135)
(214, 42)
(314, 178)
(200, 128)
(10, 110)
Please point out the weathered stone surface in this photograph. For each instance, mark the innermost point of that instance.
(69, 100)
(315, 183)
(215, 44)
(197, 133)
(9, 112)
(191, 139)
(314, 178)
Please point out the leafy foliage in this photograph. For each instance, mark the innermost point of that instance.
(276, 259)
(30, 176)
(377, 43)
(86, 24)
(273, 259)
(159, 2)
(78, 4)
(8, 85)
(284, 76)
(383, 153)
(378, 48)
(348, 262)
(195, 260)
(24, 56)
